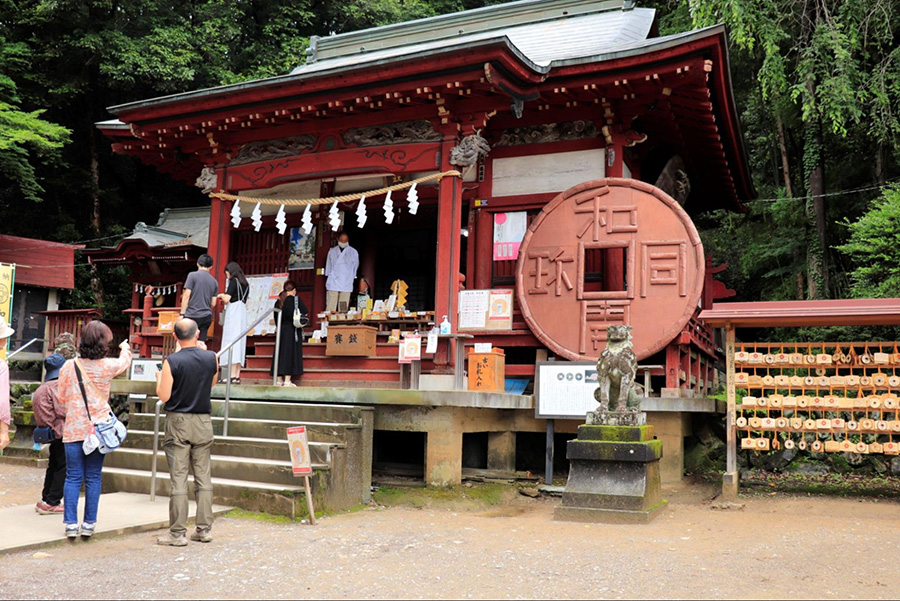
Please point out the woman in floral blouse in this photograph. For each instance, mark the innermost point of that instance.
(96, 371)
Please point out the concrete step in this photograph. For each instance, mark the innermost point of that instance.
(249, 375)
(251, 469)
(260, 448)
(336, 383)
(294, 411)
(256, 428)
(278, 499)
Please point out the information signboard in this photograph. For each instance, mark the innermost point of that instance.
(565, 389)
(299, 445)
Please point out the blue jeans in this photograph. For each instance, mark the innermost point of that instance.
(82, 468)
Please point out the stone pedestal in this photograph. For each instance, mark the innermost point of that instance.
(613, 476)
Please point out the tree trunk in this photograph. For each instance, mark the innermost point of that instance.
(782, 147)
(95, 183)
(96, 284)
(817, 243)
(879, 164)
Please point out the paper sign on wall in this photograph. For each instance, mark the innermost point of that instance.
(509, 229)
(485, 309)
(264, 289)
(301, 463)
(413, 350)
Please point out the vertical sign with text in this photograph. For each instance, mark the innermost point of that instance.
(7, 280)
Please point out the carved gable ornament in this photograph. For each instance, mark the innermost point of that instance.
(265, 150)
(548, 132)
(624, 226)
(403, 132)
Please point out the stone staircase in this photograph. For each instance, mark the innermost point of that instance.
(251, 467)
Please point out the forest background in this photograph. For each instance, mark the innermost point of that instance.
(816, 82)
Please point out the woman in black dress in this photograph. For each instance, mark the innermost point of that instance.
(290, 340)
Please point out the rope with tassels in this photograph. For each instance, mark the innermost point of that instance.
(331, 199)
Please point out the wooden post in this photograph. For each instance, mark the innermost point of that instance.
(731, 479)
(219, 248)
(447, 257)
(483, 255)
(551, 448)
(309, 501)
(614, 258)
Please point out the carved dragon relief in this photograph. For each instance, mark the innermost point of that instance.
(403, 132)
(265, 150)
(549, 132)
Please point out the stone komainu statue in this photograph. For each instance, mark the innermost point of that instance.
(616, 370)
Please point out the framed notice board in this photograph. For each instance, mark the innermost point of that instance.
(564, 389)
(484, 310)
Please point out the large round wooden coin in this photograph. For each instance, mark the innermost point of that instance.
(609, 252)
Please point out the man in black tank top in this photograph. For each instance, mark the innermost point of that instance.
(184, 385)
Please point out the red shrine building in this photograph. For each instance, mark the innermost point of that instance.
(568, 143)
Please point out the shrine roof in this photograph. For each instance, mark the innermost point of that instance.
(176, 228)
(844, 312)
(40, 262)
(543, 32)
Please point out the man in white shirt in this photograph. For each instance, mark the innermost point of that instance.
(340, 268)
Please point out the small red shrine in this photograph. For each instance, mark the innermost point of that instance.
(583, 143)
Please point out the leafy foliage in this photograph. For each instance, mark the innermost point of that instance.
(874, 247)
(25, 138)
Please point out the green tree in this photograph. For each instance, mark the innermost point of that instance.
(874, 247)
(837, 64)
(25, 138)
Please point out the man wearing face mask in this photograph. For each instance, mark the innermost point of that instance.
(340, 269)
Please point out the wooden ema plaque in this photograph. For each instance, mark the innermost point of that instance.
(609, 252)
(821, 397)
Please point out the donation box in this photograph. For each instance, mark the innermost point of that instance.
(351, 341)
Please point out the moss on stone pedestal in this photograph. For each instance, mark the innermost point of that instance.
(615, 433)
(23, 418)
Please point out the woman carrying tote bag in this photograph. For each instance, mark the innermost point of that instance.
(96, 372)
(290, 340)
(234, 298)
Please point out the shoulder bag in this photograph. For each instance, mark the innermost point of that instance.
(300, 320)
(43, 435)
(108, 433)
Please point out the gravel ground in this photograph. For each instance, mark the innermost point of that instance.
(776, 547)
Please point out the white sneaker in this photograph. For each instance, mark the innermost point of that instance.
(289, 384)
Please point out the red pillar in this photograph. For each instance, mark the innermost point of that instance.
(448, 247)
(484, 235)
(219, 248)
(323, 245)
(614, 261)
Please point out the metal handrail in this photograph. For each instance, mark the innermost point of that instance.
(229, 348)
(22, 348)
(159, 405)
